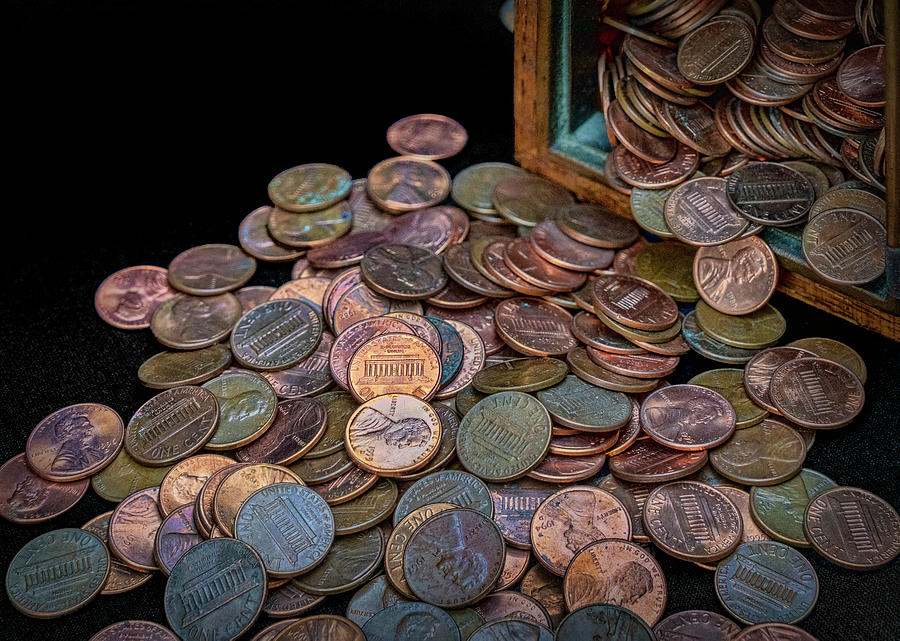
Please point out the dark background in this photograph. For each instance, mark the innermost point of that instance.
(137, 130)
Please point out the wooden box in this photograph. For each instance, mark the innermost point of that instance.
(560, 133)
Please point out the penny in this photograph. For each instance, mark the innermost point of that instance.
(845, 246)
(127, 298)
(693, 126)
(629, 432)
(256, 241)
(462, 268)
(451, 348)
(858, 199)
(835, 351)
(511, 629)
(816, 393)
(603, 623)
(276, 334)
(582, 365)
(359, 303)
(647, 207)
(41, 579)
(527, 200)
(302, 269)
(504, 436)
(172, 425)
(28, 498)
(269, 632)
(556, 247)
(595, 226)
(769, 193)
(396, 544)
(423, 328)
(350, 563)
(696, 624)
(237, 486)
(730, 384)
(545, 588)
(172, 369)
(692, 521)
(203, 505)
(132, 529)
(759, 370)
(247, 405)
(308, 377)
(309, 187)
(514, 566)
(687, 417)
(473, 187)
(675, 347)
(367, 510)
(634, 302)
(751, 331)
(468, 621)
(514, 505)
(657, 62)
(175, 536)
(403, 271)
(366, 602)
(312, 229)
(121, 577)
(534, 327)
(455, 296)
(778, 509)
(339, 406)
(124, 476)
(812, 173)
(750, 530)
(480, 319)
(346, 250)
(74, 442)
(645, 145)
(184, 480)
(433, 228)
(520, 375)
(639, 173)
(394, 364)
(649, 462)
(774, 632)
(509, 605)
(698, 213)
(582, 406)
(250, 297)
(405, 183)
(635, 365)
(834, 103)
(588, 329)
(715, 52)
(346, 487)
(616, 572)
(767, 581)
(210, 269)
(862, 76)
(567, 469)
(793, 17)
(668, 265)
(764, 454)
(340, 285)
(632, 496)
(134, 629)
(323, 469)
(321, 626)
(428, 136)
(738, 277)
(309, 289)
(408, 619)
(289, 525)
(356, 335)
(572, 518)
(524, 261)
(715, 350)
(447, 486)
(192, 322)
(289, 600)
(297, 427)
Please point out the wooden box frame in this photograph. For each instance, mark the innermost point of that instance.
(560, 134)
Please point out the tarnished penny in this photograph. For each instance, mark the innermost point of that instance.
(309, 289)
(308, 377)
(57, 573)
(210, 269)
(565, 469)
(312, 229)
(774, 632)
(250, 297)
(127, 298)
(246, 408)
(778, 509)
(346, 487)
(508, 605)
(354, 336)
(433, 228)
(121, 577)
(504, 436)
(570, 519)
(645, 145)
(125, 476)
(403, 620)
(692, 521)
(759, 370)
(394, 364)
(351, 562)
(429, 136)
(527, 200)
(737, 277)
(767, 581)
(636, 365)
(146, 630)
(480, 318)
(750, 530)
(545, 588)
(634, 302)
(455, 296)
(175, 536)
(696, 624)
(668, 266)
(297, 427)
(769, 193)
(309, 187)
(534, 327)
(834, 351)
(405, 183)
(423, 328)
(632, 496)
(816, 393)
(396, 544)
(583, 366)
(172, 369)
(493, 265)
(451, 351)
(588, 329)
(520, 375)
(514, 506)
(203, 506)
(636, 171)
(595, 226)
(240, 484)
(522, 258)
(862, 76)
(323, 469)
(603, 623)
(554, 246)
(617, 572)
(514, 566)
(184, 480)
(132, 529)
(511, 629)
(699, 213)
(687, 417)
(172, 425)
(577, 404)
(367, 600)
(192, 322)
(347, 250)
(716, 51)
(339, 406)
(730, 384)
(709, 347)
(649, 462)
(393, 434)
(765, 454)
(254, 237)
(853, 528)
(321, 626)
(74, 442)
(359, 303)
(28, 498)
(750, 331)
(447, 486)
(407, 272)
(845, 246)
(276, 334)
(473, 187)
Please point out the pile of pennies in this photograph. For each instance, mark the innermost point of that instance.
(457, 413)
(725, 121)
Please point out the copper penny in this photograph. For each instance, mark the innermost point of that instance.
(480, 318)
(509, 606)
(460, 266)
(74, 442)
(250, 297)
(405, 183)
(751, 531)
(577, 404)
(692, 521)
(346, 250)
(360, 302)
(298, 426)
(289, 601)
(715, 51)
(795, 19)
(698, 213)
(354, 336)
(239, 484)
(455, 296)
(473, 187)
(309, 187)
(192, 322)
(121, 577)
(595, 226)
(210, 269)
(834, 103)
(182, 483)
(816, 393)
(446, 486)
(693, 126)
(254, 237)
(203, 505)
(649, 462)
(132, 529)
(172, 369)
(628, 433)
(310, 229)
(589, 330)
(581, 362)
(346, 487)
(572, 518)
(314, 471)
(634, 302)
(322, 626)
(687, 417)
(554, 246)
(302, 269)
(660, 63)
(473, 360)
(645, 145)
(176, 535)
(495, 267)
(407, 272)
(536, 327)
(276, 334)
(527, 200)
(632, 496)
(545, 588)
(308, 377)
(309, 289)
(522, 258)
(774, 632)
(28, 498)
(394, 363)
(428, 136)
(797, 48)
(514, 566)
(433, 228)
(422, 327)
(340, 285)
(636, 365)
(738, 277)
(845, 246)
(862, 76)
(127, 298)
(701, 625)
(556, 468)
(145, 630)
(514, 505)
(765, 454)
(636, 171)
(759, 370)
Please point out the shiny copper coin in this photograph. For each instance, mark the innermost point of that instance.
(645, 145)
(696, 624)
(817, 393)
(210, 269)
(759, 370)
(145, 630)
(297, 427)
(687, 417)
(522, 258)
(28, 498)
(309, 187)
(649, 462)
(862, 76)
(767, 453)
(638, 172)
(554, 246)
(513, 606)
(309, 289)
(132, 529)
(311, 229)
(192, 322)
(447, 448)
(698, 213)
(175, 536)
(308, 377)
(394, 364)
(428, 136)
(354, 336)
(459, 265)
(738, 277)
(359, 302)
(480, 319)
(692, 521)
(434, 228)
(405, 183)
(535, 327)
(634, 302)
(845, 246)
(495, 268)
(184, 481)
(588, 329)
(582, 365)
(322, 626)
(127, 298)
(203, 505)
(527, 199)
(172, 425)
(555, 468)
(254, 237)
(406, 272)
(636, 365)
(595, 226)
(250, 297)
(74, 442)
(716, 51)
(121, 577)
(774, 632)
(239, 484)
(514, 505)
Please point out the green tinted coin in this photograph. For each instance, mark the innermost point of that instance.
(173, 369)
(451, 349)
(410, 620)
(339, 406)
(322, 469)
(603, 623)
(707, 474)
(447, 486)
(709, 347)
(312, 229)
(756, 330)
(247, 405)
(125, 476)
(466, 399)
(520, 375)
(578, 404)
(512, 629)
(467, 620)
(350, 562)
(584, 368)
(778, 509)
(834, 351)
(504, 436)
(367, 510)
(309, 187)
(669, 265)
(57, 573)
(473, 187)
(647, 207)
(730, 383)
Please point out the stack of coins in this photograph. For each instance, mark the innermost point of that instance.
(458, 413)
(706, 102)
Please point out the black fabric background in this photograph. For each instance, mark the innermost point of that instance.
(136, 130)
